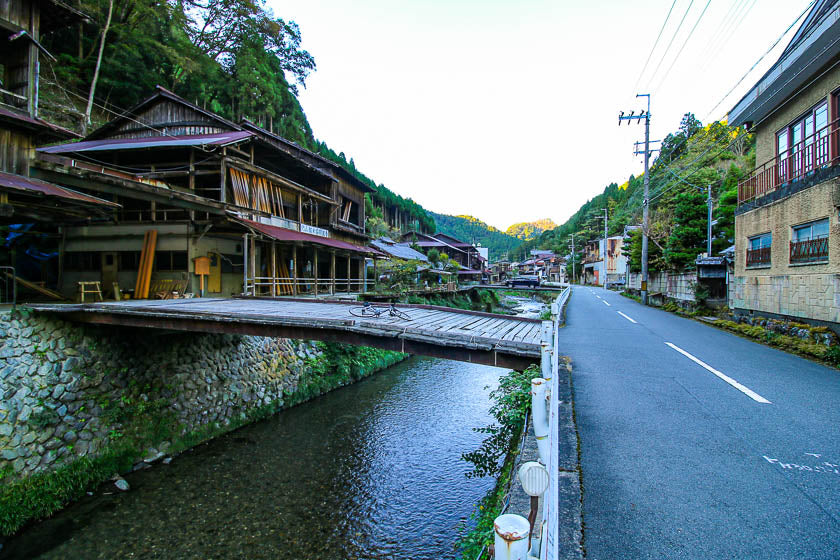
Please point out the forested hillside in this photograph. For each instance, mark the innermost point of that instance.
(690, 159)
(473, 230)
(233, 57)
(530, 230)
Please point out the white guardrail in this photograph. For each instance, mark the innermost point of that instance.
(512, 531)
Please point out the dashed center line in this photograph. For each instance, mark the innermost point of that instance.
(626, 317)
(605, 303)
(746, 390)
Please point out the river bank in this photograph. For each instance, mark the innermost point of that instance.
(372, 471)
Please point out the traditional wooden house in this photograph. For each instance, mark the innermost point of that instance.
(787, 234)
(235, 204)
(25, 200)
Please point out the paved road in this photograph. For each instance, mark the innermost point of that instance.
(682, 462)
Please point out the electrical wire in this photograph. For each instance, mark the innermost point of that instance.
(671, 42)
(655, 43)
(762, 57)
(662, 81)
(718, 31)
(732, 33)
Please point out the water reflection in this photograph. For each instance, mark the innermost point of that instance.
(367, 472)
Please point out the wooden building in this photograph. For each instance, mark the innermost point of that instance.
(26, 201)
(271, 218)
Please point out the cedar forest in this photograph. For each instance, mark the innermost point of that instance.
(238, 59)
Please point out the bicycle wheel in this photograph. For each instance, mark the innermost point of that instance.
(364, 311)
(394, 312)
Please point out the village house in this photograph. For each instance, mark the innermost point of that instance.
(467, 256)
(594, 272)
(787, 235)
(206, 206)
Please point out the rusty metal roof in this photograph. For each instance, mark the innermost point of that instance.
(218, 139)
(39, 126)
(27, 184)
(282, 234)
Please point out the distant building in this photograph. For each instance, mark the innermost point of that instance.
(595, 271)
(787, 235)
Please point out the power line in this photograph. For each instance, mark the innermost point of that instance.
(762, 57)
(661, 29)
(734, 30)
(671, 42)
(725, 27)
(723, 21)
(662, 81)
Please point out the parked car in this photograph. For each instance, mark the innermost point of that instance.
(523, 281)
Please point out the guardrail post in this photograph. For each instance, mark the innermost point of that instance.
(511, 541)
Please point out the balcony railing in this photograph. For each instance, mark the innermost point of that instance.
(809, 251)
(758, 257)
(817, 151)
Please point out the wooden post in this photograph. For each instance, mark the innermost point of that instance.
(294, 270)
(375, 273)
(300, 208)
(223, 180)
(252, 264)
(348, 273)
(332, 272)
(273, 269)
(315, 270)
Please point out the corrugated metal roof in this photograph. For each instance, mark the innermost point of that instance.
(40, 125)
(21, 183)
(281, 234)
(399, 250)
(218, 139)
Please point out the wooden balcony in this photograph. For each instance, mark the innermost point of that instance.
(809, 251)
(804, 159)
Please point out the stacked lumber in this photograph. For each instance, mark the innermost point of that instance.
(147, 258)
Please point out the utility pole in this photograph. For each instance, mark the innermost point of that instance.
(604, 255)
(709, 227)
(645, 219)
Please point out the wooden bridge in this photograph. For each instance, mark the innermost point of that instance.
(470, 336)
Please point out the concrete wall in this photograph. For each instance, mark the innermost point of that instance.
(673, 285)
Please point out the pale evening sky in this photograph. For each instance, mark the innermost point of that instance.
(508, 110)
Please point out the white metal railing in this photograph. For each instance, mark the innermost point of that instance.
(285, 286)
(545, 393)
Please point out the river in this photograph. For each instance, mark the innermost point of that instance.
(370, 471)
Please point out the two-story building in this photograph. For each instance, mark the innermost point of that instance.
(605, 261)
(787, 233)
(270, 217)
(24, 199)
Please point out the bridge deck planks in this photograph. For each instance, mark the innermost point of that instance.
(438, 326)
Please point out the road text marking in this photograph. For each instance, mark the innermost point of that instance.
(746, 390)
(626, 317)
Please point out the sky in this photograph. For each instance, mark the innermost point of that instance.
(508, 110)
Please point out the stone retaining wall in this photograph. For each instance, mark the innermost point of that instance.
(70, 391)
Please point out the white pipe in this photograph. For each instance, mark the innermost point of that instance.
(511, 537)
(540, 417)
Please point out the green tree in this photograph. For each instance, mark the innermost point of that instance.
(688, 237)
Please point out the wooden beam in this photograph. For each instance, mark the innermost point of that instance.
(294, 270)
(332, 272)
(273, 268)
(315, 270)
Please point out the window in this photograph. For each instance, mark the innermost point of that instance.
(170, 261)
(758, 250)
(83, 261)
(809, 242)
(803, 146)
(128, 260)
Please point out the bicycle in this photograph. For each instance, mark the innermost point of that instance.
(369, 310)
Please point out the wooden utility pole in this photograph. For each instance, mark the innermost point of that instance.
(89, 108)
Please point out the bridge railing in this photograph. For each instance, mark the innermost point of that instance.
(280, 286)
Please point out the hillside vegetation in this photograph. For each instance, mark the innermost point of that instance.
(690, 159)
(232, 57)
(530, 230)
(473, 230)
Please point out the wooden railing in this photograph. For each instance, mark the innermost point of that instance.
(819, 150)
(758, 257)
(811, 250)
(284, 286)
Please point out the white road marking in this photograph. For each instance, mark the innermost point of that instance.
(626, 317)
(605, 303)
(746, 390)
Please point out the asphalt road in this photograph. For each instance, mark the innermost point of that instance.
(682, 462)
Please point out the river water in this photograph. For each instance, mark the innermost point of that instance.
(369, 471)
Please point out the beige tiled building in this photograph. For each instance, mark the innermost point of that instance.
(787, 232)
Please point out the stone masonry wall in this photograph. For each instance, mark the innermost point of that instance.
(69, 390)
